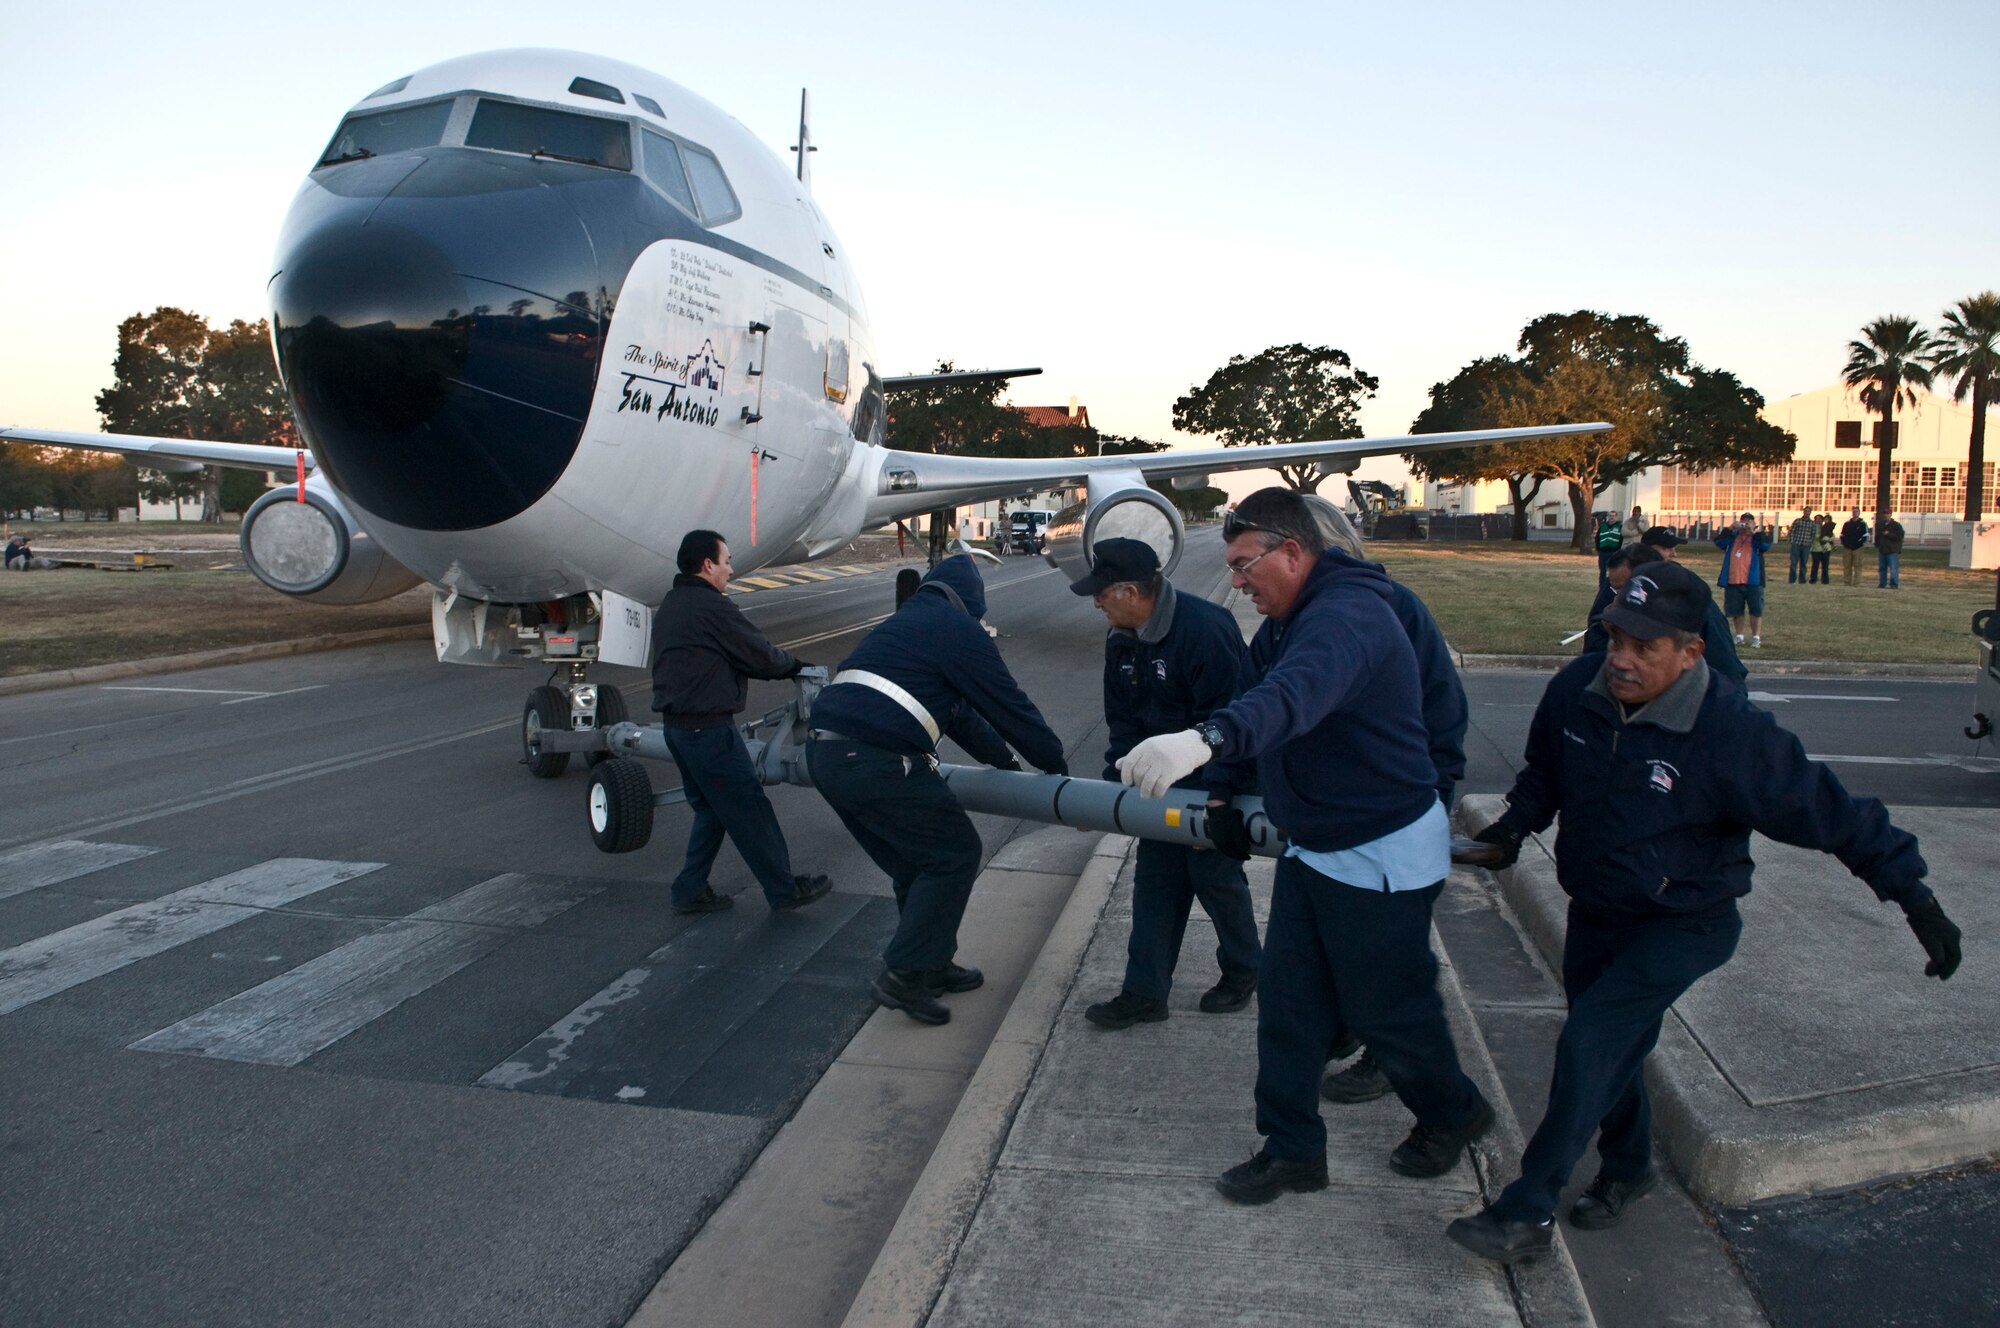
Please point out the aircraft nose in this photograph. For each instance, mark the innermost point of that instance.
(438, 386)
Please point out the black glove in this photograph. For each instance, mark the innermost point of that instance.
(1009, 764)
(1507, 837)
(798, 666)
(1230, 834)
(1938, 935)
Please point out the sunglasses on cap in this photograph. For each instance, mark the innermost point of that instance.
(1234, 525)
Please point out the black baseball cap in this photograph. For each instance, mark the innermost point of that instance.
(1115, 560)
(1661, 538)
(1660, 598)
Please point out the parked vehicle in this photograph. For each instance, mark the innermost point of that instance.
(1031, 530)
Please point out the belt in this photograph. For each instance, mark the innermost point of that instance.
(877, 683)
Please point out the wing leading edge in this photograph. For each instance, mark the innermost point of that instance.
(915, 482)
(174, 454)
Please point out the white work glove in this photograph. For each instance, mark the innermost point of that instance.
(1157, 764)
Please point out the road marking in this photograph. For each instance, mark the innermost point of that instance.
(827, 636)
(289, 691)
(36, 865)
(190, 691)
(300, 1013)
(1814, 696)
(40, 968)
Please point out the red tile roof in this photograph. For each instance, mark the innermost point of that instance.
(1053, 417)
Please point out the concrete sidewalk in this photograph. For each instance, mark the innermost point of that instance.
(1093, 1202)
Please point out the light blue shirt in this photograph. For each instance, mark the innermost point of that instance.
(1408, 859)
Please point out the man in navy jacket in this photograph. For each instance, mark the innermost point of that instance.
(1170, 661)
(1660, 770)
(929, 670)
(1336, 729)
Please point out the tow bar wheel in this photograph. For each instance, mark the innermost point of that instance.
(621, 805)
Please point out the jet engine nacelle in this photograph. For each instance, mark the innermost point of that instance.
(1119, 506)
(314, 549)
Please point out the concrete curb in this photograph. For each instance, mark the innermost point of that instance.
(1732, 1153)
(909, 1274)
(1765, 668)
(206, 659)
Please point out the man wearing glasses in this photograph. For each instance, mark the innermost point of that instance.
(1170, 661)
(1337, 733)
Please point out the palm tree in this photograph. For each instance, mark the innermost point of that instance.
(1968, 349)
(1888, 365)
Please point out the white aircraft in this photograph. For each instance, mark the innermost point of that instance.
(538, 314)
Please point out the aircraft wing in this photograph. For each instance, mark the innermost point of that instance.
(916, 482)
(177, 455)
(911, 382)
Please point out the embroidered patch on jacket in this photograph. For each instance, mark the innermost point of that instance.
(1663, 776)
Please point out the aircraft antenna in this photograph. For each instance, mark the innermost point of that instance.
(805, 146)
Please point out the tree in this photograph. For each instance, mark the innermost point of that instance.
(965, 419)
(175, 376)
(1967, 349)
(25, 481)
(1663, 408)
(1285, 394)
(1888, 365)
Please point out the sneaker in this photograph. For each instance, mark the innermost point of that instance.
(1756, 643)
(1345, 1047)
(1263, 1178)
(1603, 1204)
(706, 902)
(810, 888)
(1430, 1151)
(1232, 993)
(1362, 1081)
(1500, 1239)
(954, 978)
(1739, 638)
(906, 990)
(1126, 1009)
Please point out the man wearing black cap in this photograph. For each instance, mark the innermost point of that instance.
(1170, 661)
(1660, 772)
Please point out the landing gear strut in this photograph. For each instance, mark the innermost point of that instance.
(568, 703)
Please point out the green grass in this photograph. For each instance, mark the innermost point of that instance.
(1511, 599)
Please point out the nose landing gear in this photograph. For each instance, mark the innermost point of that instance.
(573, 705)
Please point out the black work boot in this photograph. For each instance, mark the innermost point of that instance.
(1263, 1178)
(1501, 1239)
(1362, 1081)
(954, 978)
(905, 989)
(706, 902)
(1232, 993)
(809, 889)
(1430, 1151)
(1603, 1204)
(1126, 1009)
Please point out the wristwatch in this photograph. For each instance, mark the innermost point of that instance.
(1211, 733)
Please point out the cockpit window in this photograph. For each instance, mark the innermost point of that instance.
(382, 132)
(663, 168)
(535, 131)
(711, 187)
(590, 87)
(648, 104)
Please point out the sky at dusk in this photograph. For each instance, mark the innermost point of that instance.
(1125, 194)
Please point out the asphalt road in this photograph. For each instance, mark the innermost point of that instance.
(324, 1011)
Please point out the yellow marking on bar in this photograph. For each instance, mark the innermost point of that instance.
(1173, 818)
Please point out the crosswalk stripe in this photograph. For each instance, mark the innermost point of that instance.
(300, 1013)
(42, 967)
(33, 866)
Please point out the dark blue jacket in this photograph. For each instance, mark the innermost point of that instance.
(934, 648)
(1657, 810)
(1446, 713)
(1186, 663)
(1336, 722)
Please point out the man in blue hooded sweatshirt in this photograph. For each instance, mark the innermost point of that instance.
(1337, 731)
(929, 670)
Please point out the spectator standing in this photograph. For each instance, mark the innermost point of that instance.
(1822, 552)
(1636, 525)
(1804, 532)
(1889, 554)
(1657, 768)
(704, 654)
(1853, 535)
(1743, 547)
(1610, 538)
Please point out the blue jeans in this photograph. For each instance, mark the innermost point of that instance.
(723, 793)
(1620, 982)
(1166, 881)
(1336, 953)
(1801, 554)
(1887, 568)
(905, 819)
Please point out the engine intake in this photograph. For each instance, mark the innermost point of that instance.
(1118, 507)
(314, 549)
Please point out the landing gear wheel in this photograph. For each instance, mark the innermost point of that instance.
(610, 710)
(621, 805)
(548, 708)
